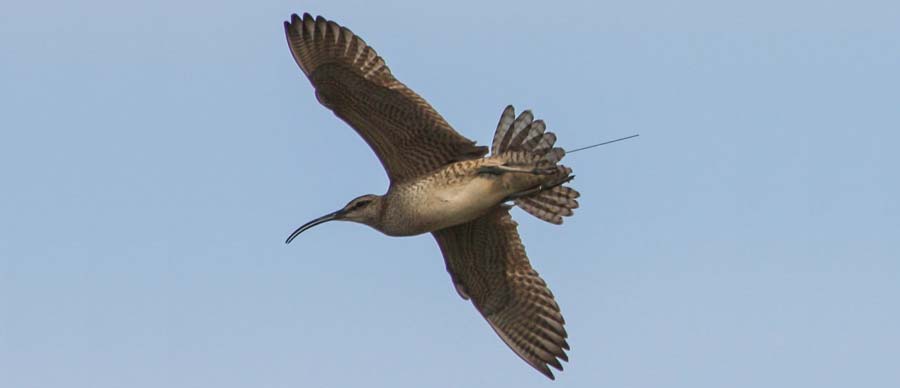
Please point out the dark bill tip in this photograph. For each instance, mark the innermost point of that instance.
(308, 225)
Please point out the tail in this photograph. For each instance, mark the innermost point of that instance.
(526, 142)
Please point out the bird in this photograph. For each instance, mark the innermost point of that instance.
(443, 183)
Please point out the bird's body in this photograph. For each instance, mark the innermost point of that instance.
(453, 195)
(442, 183)
(450, 196)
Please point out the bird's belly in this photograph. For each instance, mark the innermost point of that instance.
(436, 208)
(464, 202)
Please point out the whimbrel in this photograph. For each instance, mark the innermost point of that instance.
(442, 183)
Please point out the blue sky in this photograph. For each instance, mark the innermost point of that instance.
(154, 156)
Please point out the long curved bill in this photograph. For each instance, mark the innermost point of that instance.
(317, 221)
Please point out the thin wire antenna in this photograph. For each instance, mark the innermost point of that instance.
(604, 143)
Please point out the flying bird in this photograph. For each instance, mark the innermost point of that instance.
(444, 184)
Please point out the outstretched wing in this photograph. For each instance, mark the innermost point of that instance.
(487, 262)
(408, 135)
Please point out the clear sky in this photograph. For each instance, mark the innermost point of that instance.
(154, 156)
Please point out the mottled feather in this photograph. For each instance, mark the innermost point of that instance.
(409, 137)
(525, 141)
(487, 263)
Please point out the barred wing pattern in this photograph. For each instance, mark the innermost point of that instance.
(408, 135)
(487, 263)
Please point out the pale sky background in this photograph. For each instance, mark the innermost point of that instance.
(154, 156)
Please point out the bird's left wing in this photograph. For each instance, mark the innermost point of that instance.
(488, 264)
(408, 135)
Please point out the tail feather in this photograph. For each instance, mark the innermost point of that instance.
(563, 193)
(546, 208)
(560, 196)
(522, 133)
(551, 204)
(503, 127)
(527, 141)
(536, 134)
(545, 144)
(551, 214)
(555, 155)
(521, 129)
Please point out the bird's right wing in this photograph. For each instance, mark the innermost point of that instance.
(408, 135)
(487, 262)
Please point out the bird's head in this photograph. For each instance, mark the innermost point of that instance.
(364, 209)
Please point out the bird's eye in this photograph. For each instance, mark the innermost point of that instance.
(360, 204)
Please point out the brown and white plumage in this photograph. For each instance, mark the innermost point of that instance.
(408, 135)
(424, 156)
(525, 136)
(488, 264)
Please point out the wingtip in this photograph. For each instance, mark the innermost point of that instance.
(549, 374)
(554, 362)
